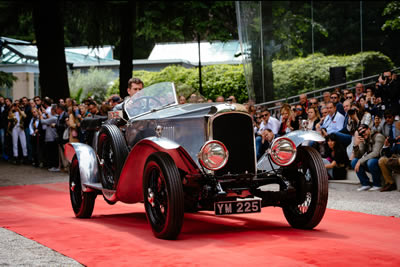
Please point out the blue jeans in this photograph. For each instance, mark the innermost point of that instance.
(344, 139)
(372, 167)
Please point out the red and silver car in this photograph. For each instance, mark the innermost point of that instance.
(193, 157)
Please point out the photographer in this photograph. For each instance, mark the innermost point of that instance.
(16, 124)
(389, 130)
(366, 149)
(388, 90)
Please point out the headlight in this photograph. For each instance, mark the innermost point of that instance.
(213, 155)
(283, 151)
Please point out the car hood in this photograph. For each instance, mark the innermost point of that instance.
(191, 111)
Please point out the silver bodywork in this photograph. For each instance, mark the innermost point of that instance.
(298, 137)
(88, 167)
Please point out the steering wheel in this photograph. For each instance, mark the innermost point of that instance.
(146, 100)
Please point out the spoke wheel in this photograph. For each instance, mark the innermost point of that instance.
(112, 151)
(163, 196)
(82, 202)
(312, 187)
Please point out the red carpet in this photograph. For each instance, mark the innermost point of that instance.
(120, 236)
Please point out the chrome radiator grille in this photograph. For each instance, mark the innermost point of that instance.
(235, 130)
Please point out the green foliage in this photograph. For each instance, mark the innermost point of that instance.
(292, 77)
(393, 10)
(7, 79)
(94, 83)
(217, 80)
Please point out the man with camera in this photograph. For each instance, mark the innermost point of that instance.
(388, 90)
(388, 163)
(366, 149)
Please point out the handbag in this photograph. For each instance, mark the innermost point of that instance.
(66, 134)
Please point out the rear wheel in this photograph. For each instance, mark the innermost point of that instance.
(82, 202)
(311, 184)
(163, 196)
(112, 151)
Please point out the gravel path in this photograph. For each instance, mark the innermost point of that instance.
(16, 250)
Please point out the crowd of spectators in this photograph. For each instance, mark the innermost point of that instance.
(362, 129)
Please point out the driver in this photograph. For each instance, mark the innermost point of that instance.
(134, 86)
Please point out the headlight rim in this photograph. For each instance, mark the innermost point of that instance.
(202, 163)
(279, 139)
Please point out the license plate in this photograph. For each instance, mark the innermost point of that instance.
(237, 207)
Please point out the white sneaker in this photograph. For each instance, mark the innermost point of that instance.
(363, 188)
(53, 169)
(375, 188)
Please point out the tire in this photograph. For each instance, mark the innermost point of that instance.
(112, 151)
(312, 187)
(162, 186)
(82, 202)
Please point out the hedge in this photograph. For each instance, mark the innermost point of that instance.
(291, 77)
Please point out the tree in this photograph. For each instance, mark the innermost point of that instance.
(393, 10)
(49, 32)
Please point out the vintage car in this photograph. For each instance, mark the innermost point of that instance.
(193, 157)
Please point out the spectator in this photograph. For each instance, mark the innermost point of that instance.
(336, 158)
(367, 147)
(38, 101)
(333, 122)
(232, 99)
(350, 96)
(267, 122)
(37, 138)
(61, 126)
(104, 109)
(93, 109)
(266, 139)
(359, 91)
(16, 119)
(83, 111)
(220, 99)
(303, 101)
(313, 118)
(50, 140)
(299, 117)
(345, 134)
(389, 163)
(200, 99)
(7, 132)
(193, 98)
(389, 128)
(182, 100)
(3, 126)
(335, 97)
(73, 124)
(377, 127)
(327, 98)
(115, 100)
(287, 120)
(389, 91)
(28, 112)
(314, 103)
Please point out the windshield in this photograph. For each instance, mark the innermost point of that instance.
(151, 98)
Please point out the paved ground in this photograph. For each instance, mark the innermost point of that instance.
(16, 250)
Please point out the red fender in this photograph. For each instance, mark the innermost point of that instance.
(130, 185)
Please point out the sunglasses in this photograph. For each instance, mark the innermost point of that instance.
(313, 103)
(334, 97)
(263, 115)
(389, 117)
(299, 109)
(349, 97)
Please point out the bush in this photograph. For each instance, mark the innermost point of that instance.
(291, 77)
(94, 83)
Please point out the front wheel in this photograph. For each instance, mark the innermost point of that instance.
(163, 196)
(82, 202)
(312, 186)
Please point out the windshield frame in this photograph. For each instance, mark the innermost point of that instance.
(142, 93)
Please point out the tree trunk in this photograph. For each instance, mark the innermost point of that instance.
(128, 28)
(49, 31)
